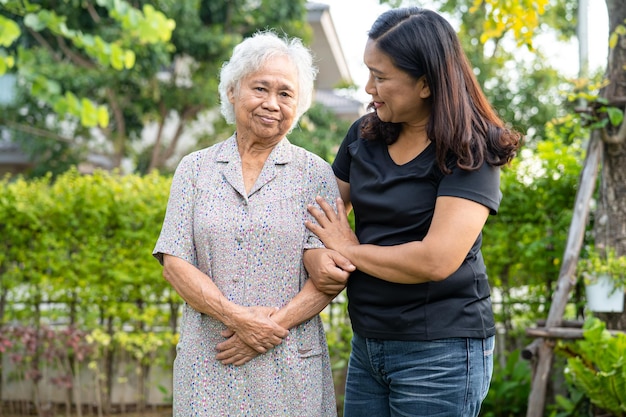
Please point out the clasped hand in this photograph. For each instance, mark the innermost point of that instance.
(253, 333)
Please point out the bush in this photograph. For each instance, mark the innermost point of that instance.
(596, 366)
(509, 389)
(75, 255)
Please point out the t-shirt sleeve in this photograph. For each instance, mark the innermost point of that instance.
(481, 186)
(324, 184)
(176, 237)
(341, 164)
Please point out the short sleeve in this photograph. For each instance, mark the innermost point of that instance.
(481, 186)
(176, 237)
(324, 184)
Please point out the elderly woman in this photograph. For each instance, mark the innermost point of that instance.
(232, 244)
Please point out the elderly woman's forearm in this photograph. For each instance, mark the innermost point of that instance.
(253, 324)
(197, 289)
(306, 304)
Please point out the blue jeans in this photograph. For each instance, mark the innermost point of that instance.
(436, 378)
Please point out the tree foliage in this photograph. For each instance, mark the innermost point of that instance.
(60, 33)
(524, 244)
(120, 67)
(107, 68)
(320, 132)
(500, 39)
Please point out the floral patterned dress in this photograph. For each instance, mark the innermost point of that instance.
(251, 246)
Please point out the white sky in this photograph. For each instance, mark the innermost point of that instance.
(353, 18)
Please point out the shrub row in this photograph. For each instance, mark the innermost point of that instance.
(75, 258)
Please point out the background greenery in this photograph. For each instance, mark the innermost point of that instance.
(78, 286)
(75, 259)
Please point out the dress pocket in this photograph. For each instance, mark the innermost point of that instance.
(309, 352)
(310, 338)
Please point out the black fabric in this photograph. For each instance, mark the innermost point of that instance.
(393, 205)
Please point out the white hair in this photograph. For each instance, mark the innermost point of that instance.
(252, 53)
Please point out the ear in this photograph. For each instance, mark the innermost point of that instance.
(424, 88)
(231, 95)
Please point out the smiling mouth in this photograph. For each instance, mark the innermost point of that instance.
(267, 119)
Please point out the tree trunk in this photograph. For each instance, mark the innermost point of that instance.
(610, 218)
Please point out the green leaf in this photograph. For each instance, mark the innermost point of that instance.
(117, 57)
(53, 87)
(129, 59)
(88, 113)
(103, 116)
(613, 40)
(616, 116)
(72, 103)
(6, 62)
(33, 21)
(9, 31)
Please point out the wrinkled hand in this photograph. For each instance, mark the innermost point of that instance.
(332, 227)
(256, 329)
(234, 351)
(328, 270)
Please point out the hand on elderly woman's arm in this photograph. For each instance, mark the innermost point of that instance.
(456, 224)
(328, 270)
(253, 325)
(332, 227)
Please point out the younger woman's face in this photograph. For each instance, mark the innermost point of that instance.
(397, 96)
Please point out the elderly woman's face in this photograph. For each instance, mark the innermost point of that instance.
(266, 102)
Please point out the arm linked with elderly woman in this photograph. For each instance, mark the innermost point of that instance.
(421, 174)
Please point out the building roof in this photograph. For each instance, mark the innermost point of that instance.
(12, 158)
(331, 62)
(329, 55)
(344, 107)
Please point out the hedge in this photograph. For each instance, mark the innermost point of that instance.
(76, 271)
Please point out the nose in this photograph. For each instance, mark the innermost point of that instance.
(370, 87)
(271, 101)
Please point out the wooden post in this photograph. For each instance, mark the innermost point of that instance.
(567, 277)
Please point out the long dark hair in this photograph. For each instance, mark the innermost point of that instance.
(462, 123)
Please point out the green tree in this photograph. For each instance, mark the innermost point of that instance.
(103, 69)
(320, 132)
(500, 35)
(60, 52)
(525, 242)
(610, 110)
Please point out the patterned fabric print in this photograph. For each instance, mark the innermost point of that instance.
(251, 246)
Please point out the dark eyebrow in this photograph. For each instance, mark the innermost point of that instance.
(374, 70)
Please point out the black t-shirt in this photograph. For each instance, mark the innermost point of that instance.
(394, 204)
